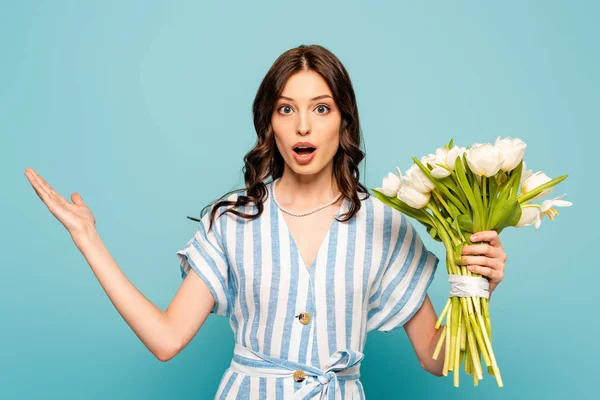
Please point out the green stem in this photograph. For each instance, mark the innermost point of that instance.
(484, 191)
(454, 186)
(441, 199)
(452, 267)
(443, 222)
(441, 186)
(471, 341)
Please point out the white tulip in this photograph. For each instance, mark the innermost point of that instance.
(512, 151)
(436, 161)
(391, 184)
(546, 207)
(535, 180)
(428, 159)
(418, 180)
(440, 166)
(533, 215)
(525, 173)
(529, 216)
(413, 197)
(453, 154)
(484, 159)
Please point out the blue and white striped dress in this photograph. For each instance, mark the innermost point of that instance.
(371, 272)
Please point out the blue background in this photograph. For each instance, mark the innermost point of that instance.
(144, 108)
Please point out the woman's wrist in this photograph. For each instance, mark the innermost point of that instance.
(84, 236)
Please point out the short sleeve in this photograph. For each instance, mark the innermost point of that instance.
(404, 282)
(205, 254)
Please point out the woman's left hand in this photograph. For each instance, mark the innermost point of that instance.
(489, 259)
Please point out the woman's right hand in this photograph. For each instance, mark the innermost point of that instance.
(76, 217)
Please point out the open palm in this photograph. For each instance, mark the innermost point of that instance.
(76, 217)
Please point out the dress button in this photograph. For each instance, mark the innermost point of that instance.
(299, 376)
(304, 317)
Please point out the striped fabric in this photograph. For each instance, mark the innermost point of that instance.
(370, 273)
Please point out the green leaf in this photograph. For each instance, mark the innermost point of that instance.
(510, 187)
(403, 207)
(451, 226)
(513, 216)
(477, 196)
(465, 223)
(462, 180)
(493, 181)
(505, 213)
(524, 198)
(468, 173)
(433, 233)
(497, 214)
(516, 174)
(455, 212)
(440, 186)
(458, 253)
(457, 229)
(450, 182)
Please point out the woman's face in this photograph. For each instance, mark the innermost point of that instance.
(306, 112)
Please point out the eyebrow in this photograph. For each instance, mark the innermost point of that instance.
(314, 98)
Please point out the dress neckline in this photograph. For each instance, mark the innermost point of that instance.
(293, 241)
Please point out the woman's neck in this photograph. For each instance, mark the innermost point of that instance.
(302, 192)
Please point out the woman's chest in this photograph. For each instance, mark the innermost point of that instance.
(308, 234)
(344, 268)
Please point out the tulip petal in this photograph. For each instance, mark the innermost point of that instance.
(440, 172)
(563, 203)
(529, 215)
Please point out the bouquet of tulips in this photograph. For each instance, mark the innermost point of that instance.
(456, 192)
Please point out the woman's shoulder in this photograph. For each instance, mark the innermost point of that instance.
(380, 205)
(229, 202)
(385, 214)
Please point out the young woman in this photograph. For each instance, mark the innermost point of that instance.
(304, 265)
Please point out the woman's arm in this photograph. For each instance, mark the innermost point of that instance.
(424, 337)
(164, 333)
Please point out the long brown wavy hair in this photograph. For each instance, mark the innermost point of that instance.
(264, 159)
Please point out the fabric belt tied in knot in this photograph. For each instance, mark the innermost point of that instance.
(343, 365)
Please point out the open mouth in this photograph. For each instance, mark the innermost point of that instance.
(302, 150)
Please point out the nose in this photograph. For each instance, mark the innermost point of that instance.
(303, 124)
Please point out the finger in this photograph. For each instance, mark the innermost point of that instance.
(494, 263)
(52, 194)
(39, 190)
(45, 184)
(77, 199)
(487, 236)
(495, 276)
(51, 201)
(483, 249)
(38, 193)
(469, 260)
